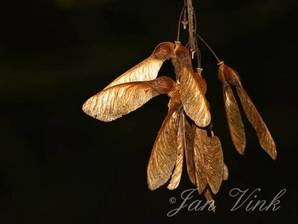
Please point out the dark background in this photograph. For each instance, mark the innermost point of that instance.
(57, 165)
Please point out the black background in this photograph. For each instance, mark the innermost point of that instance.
(57, 165)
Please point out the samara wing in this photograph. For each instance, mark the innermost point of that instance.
(199, 159)
(252, 114)
(148, 68)
(208, 161)
(233, 115)
(193, 99)
(116, 101)
(192, 95)
(181, 146)
(163, 157)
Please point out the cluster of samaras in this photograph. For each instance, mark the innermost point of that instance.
(186, 130)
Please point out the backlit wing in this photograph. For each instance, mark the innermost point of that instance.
(199, 159)
(181, 146)
(164, 153)
(252, 114)
(208, 161)
(233, 115)
(193, 99)
(148, 68)
(116, 101)
(189, 152)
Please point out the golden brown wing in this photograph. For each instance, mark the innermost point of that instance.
(164, 153)
(200, 79)
(148, 68)
(207, 192)
(233, 115)
(216, 164)
(199, 159)
(116, 101)
(208, 161)
(234, 119)
(181, 146)
(193, 99)
(252, 114)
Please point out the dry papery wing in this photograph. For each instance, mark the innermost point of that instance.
(200, 79)
(207, 193)
(181, 146)
(264, 136)
(192, 96)
(193, 99)
(147, 69)
(119, 100)
(233, 115)
(209, 162)
(163, 157)
(189, 134)
(252, 114)
(189, 152)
